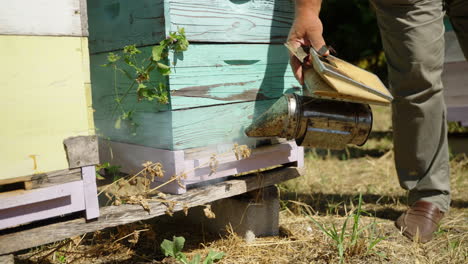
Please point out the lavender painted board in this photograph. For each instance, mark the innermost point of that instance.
(263, 157)
(24, 197)
(90, 192)
(458, 114)
(38, 204)
(131, 157)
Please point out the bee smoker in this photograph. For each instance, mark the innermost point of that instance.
(314, 122)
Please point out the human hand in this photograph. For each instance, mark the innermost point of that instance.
(306, 30)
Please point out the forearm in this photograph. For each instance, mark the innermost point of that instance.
(307, 6)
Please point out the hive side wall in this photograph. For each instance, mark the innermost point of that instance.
(43, 102)
(455, 78)
(46, 94)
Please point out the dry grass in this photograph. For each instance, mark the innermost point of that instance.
(327, 192)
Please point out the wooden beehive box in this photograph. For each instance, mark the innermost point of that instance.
(235, 68)
(455, 78)
(45, 100)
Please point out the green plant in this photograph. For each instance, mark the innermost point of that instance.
(352, 243)
(60, 257)
(139, 72)
(109, 169)
(174, 249)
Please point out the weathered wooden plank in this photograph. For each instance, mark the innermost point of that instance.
(42, 180)
(114, 24)
(219, 74)
(20, 207)
(206, 75)
(118, 215)
(187, 128)
(43, 18)
(213, 125)
(43, 102)
(264, 21)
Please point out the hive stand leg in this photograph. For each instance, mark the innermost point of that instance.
(251, 215)
(7, 259)
(90, 192)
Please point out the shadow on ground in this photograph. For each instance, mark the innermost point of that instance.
(339, 204)
(352, 152)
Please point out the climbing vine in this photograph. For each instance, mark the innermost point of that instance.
(139, 71)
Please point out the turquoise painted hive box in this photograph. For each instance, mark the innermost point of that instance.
(234, 68)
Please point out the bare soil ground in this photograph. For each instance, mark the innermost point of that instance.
(327, 193)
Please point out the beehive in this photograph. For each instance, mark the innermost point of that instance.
(45, 100)
(455, 78)
(235, 68)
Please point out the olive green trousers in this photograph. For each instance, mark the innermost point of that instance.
(412, 33)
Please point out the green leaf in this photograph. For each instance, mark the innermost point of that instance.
(181, 31)
(158, 52)
(167, 247)
(173, 248)
(178, 243)
(128, 115)
(213, 256)
(141, 86)
(112, 57)
(164, 69)
(131, 49)
(118, 123)
(99, 177)
(103, 166)
(181, 45)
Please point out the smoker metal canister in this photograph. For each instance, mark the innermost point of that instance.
(314, 122)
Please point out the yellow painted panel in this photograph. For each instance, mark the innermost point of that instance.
(43, 101)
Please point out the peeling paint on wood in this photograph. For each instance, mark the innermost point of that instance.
(263, 21)
(206, 76)
(116, 23)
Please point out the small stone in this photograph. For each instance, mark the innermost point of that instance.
(249, 236)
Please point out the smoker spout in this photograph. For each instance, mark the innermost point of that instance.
(278, 121)
(314, 122)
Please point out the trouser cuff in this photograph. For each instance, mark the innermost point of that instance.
(441, 200)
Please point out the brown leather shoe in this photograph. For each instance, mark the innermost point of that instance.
(420, 221)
